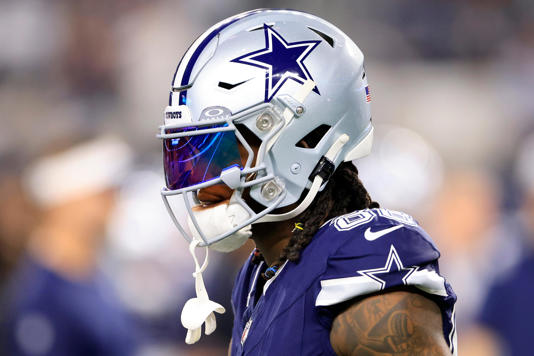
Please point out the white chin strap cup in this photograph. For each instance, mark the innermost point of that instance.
(199, 310)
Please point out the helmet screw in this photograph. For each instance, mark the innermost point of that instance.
(270, 190)
(295, 168)
(264, 122)
(299, 110)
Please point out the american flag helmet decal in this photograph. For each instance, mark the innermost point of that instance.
(367, 94)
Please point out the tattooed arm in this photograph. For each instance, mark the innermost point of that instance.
(396, 323)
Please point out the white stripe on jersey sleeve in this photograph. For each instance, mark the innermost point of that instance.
(338, 290)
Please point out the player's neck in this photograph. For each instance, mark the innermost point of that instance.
(271, 239)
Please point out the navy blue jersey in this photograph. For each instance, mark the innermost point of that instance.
(350, 256)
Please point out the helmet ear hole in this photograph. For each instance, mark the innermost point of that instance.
(312, 139)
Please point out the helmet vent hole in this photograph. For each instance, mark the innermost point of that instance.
(324, 36)
(261, 27)
(312, 139)
(229, 86)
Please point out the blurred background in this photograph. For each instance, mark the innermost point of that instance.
(452, 85)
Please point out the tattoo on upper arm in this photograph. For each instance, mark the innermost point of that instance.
(397, 323)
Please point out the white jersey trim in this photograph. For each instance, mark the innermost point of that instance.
(337, 290)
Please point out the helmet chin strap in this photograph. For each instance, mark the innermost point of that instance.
(199, 310)
(316, 185)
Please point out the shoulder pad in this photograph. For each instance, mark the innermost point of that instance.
(376, 249)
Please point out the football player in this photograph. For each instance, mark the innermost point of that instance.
(267, 111)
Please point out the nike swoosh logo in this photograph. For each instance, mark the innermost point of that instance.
(373, 235)
(229, 86)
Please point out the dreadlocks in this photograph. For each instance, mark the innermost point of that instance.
(343, 194)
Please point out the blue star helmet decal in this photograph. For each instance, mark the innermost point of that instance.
(282, 60)
(390, 275)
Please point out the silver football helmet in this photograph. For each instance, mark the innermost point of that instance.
(284, 75)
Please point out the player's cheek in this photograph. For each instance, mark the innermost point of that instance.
(215, 193)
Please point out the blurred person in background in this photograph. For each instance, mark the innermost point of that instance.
(17, 215)
(57, 301)
(463, 219)
(16, 220)
(505, 319)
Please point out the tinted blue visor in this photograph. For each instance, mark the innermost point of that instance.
(195, 159)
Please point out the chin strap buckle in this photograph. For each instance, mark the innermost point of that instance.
(324, 169)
